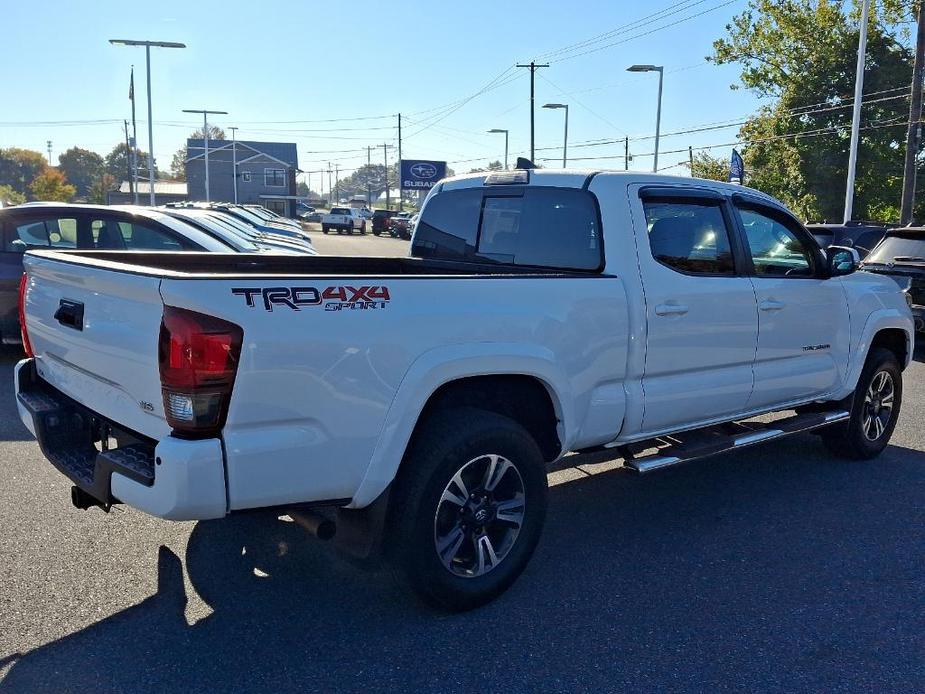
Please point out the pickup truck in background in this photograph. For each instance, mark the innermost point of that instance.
(343, 219)
(540, 312)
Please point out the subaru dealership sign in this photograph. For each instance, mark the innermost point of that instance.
(419, 174)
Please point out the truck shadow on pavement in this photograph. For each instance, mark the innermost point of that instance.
(777, 569)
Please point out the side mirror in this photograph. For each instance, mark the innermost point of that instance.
(842, 260)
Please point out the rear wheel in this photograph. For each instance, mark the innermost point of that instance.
(875, 407)
(469, 506)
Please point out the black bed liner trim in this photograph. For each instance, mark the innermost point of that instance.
(193, 265)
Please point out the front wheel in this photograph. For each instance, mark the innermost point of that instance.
(324, 228)
(469, 506)
(875, 407)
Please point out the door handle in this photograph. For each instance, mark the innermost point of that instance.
(670, 310)
(771, 305)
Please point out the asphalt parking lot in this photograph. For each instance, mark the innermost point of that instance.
(777, 568)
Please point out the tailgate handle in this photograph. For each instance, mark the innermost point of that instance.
(71, 314)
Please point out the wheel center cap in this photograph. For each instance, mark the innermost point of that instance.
(482, 515)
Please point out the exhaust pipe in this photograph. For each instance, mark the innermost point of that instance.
(316, 524)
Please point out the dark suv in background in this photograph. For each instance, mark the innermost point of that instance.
(381, 219)
(861, 236)
(901, 256)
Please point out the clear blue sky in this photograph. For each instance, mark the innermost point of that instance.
(266, 62)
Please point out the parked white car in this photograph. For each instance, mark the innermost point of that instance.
(343, 219)
(541, 312)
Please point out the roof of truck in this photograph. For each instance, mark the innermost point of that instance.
(575, 178)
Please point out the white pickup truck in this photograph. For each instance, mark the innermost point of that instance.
(540, 312)
(342, 219)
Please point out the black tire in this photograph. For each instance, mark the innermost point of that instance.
(363, 228)
(853, 439)
(324, 228)
(455, 440)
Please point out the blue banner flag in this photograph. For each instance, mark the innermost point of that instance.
(736, 168)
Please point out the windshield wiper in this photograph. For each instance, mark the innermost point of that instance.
(908, 259)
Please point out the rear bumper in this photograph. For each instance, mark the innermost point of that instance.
(173, 478)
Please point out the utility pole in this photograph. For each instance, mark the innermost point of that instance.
(369, 164)
(48, 142)
(329, 185)
(533, 68)
(690, 158)
(401, 199)
(626, 154)
(914, 134)
(856, 116)
(337, 183)
(128, 162)
(385, 158)
(133, 181)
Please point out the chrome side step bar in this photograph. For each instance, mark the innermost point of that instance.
(721, 441)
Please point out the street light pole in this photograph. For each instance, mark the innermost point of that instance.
(234, 161)
(205, 138)
(565, 139)
(658, 113)
(856, 116)
(501, 130)
(147, 45)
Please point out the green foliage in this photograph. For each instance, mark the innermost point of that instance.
(802, 54)
(8, 196)
(52, 185)
(710, 167)
(19, 167)
(116, 163)
(101, 186)
(81, 167)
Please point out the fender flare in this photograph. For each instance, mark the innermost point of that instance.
(882, 319)
(443, 365)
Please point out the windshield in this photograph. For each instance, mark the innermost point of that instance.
(220, 230)
(899, 249)
(340, 210)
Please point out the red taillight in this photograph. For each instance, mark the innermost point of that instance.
(26, 345)
(198, 358)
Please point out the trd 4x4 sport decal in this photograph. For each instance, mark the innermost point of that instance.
(339, 298)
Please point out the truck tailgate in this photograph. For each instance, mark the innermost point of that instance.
(94, 332)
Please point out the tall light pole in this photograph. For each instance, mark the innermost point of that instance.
(234, 161)
(502, 130)
(856, 116)
(565, 139)
(658, 114)
(205, 137)
(147, 45)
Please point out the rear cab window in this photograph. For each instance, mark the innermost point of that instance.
(537, 226)
(43, 232)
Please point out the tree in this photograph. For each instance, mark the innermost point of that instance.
(178, 161)
(19, 167)
(81, 167)
(801, 54)
(710, 167)
(8, 196)
(116, 163)
(52, 185)
(103, 184)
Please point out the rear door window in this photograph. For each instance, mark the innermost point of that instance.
(539, 227)
(689, 236)
(53, 232)
(116, 235)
